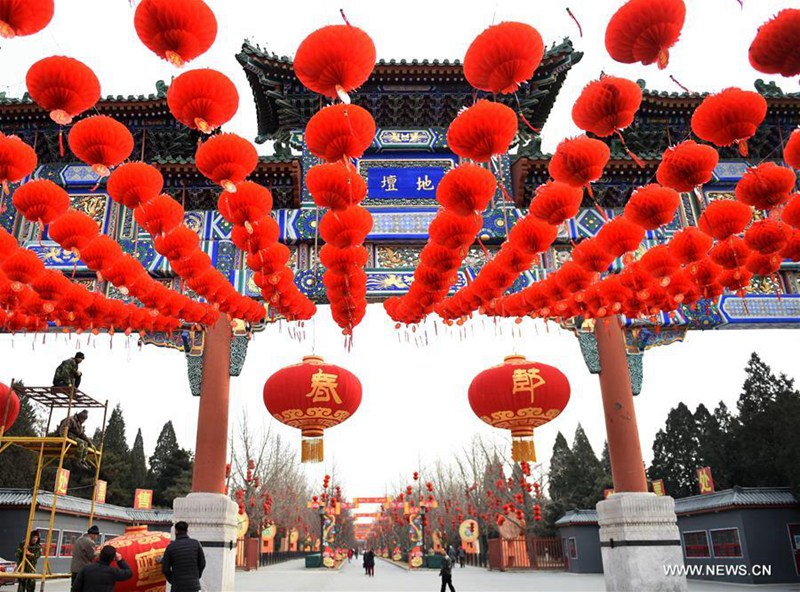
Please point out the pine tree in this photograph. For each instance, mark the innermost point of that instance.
(675, 453)
(586, 472)
(560, 484)
(18, 466)
(170, 468)
(116, 466)
(139, 476)
(605, 459)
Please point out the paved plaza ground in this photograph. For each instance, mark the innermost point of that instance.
(293, 577)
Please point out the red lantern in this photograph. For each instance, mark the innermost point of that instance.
(175, 30)
(21, 268)
(791, 152)
(725, 217)
(159, 215)
(792, 249)
(791, 211)
(335, 186)
(729, 117)
(249, 203)
(340, 132)
(503, 57)
(690, 244)
(730, 253)
(346, 228)
(555, 202)
(335, 60)
(483, 130)
(607, 105)
(24, 18)
(767, 236)
(226, 159)
(101, 142)
(765, 186)
(41, 201)
(774, 50)
(179, 243)
(519, 395)
(100, 252)
(73, 230)
(312, 396)
(133, 183)
(735, 280)
(591, 255)
(263, 233)
(63, 86)
(652, 206)
(579, 161)
(142, 551)
(763, 265)
(532, 235)
(453, 231)
(466, 189)
(17, 160)
(50, 285)
(687, 165)
(620, 236)
(203, 99)
(644, 30)
(9, 407)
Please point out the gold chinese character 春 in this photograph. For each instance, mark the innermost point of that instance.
(323, 388)
(389, 183)
(424, 184)
(526, 380)
(705, 484)
(144, 499)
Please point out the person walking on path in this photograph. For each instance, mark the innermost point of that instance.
(26, 560)
(462, 556)
(83, 551)
(184, 561)
(446, 572)
(451, 553)
(101, 576)
(369, 562)
(349, 555)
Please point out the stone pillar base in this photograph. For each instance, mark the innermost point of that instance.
(212, 521)
(638, 538)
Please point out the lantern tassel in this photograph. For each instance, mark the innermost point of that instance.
(572, 16)
(522, 449)
(312, 450)
(630, 152)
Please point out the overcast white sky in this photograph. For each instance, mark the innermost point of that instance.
(415, 402)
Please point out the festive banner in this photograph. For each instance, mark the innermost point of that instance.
(705, 480)
(62, 482)
(143, 499)
(100, 492)
(242, 524)
(294, 537)
(658, 487)
(371, 500)
(415, 536)
(468, 530)
(268, 538)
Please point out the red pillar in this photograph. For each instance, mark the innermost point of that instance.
(627, 466)
(212, 421)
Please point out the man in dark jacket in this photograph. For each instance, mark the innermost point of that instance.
(184, 561)
(100, 576)
(67, 374)
(83, 551)
(446, 572)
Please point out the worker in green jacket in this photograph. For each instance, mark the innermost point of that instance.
(67, 373)
(26, 561)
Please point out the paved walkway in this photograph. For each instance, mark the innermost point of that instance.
(293, 577)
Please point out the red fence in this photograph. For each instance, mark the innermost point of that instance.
(526, 553)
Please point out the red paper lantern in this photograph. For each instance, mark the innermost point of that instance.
(791, 152)
(50, 285)
(763, 265)
(729, 117)
(774, 49)
(503, 57)
(63, 86)
(765, 186)
(767, 236)
(123, 271)
(453, 231)
(142, 550)
(41, 201)
(175, 30)
(532, 235)
(159, 215)
(203, 99)
(194, 262)
(226, 159)
(730, 253)
(791, 211)
(644, 30)
(725, 217)
(687, 165)
(249, 203)
(652, 206)
(335, 186)
(607, 105)
(690, 244)
(346, 228)
(24, 18)
(579, 161)
(466, 189)
(264, 233)
(343, 260)
(591, 255)
(555, 202)
(660, 263)
(792, 249)
(17, 160)
(519, 395)
(21, 268)
(735, 280)
(179, 243)
(100, 252)
(483, 130)
(340, 132)
(133, 183)
(620, 236)
(335, 60)
(9, 407)
(312, 396)
(73, 230)
(101, 142)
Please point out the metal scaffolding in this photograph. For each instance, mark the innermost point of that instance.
(52, 449)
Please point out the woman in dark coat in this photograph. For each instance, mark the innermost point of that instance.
(369, 562)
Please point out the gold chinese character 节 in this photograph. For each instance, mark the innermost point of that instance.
(424, 184)
(526, 380)
(389, 183)
(323, 388)
(144, 499)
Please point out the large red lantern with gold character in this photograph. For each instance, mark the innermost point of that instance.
(142, 550)
(519, 395)
(312, 396)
